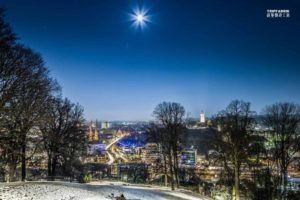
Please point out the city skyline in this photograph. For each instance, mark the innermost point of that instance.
(200, 54)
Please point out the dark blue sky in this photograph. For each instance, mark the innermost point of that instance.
(202, 54)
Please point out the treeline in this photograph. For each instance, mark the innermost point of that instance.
(254, 158)
(35, 120)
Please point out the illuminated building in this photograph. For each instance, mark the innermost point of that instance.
(202, 118)
(114, 169)
(150, 153)
(188, 157)
(133, 172)
(93, 132)
(119, 133)
(101, 158)
(105, 125)
(96, 148)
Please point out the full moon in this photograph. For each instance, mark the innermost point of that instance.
(140, 18)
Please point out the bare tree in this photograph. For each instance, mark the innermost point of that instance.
(283, 120)
(64, 138)
(232, 144)
(170, 117)
(7, 36)
(157, 135)
(25, 86)
(29, 103)
(8, 70)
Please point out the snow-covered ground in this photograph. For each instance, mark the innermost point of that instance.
(92, 191)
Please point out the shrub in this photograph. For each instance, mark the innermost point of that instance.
(85, 178)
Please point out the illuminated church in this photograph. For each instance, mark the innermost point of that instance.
(93, 132)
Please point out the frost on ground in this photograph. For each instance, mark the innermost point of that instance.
(43, 191)
(93, 191)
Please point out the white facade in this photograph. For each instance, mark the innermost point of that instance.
(202, 118)
(105, 125)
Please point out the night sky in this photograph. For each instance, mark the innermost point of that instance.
(202, 54)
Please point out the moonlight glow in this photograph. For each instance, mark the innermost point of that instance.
(140, 18)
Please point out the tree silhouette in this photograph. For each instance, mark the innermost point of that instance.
(170, 118)
(63, 136)
(283, 121)
(232, 144)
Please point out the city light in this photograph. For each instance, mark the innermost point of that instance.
(141, 72)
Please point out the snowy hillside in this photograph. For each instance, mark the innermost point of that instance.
(93, 191)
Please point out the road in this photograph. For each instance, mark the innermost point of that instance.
(110, 156)
(115, 141)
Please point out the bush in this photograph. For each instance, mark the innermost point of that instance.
(85, 178)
